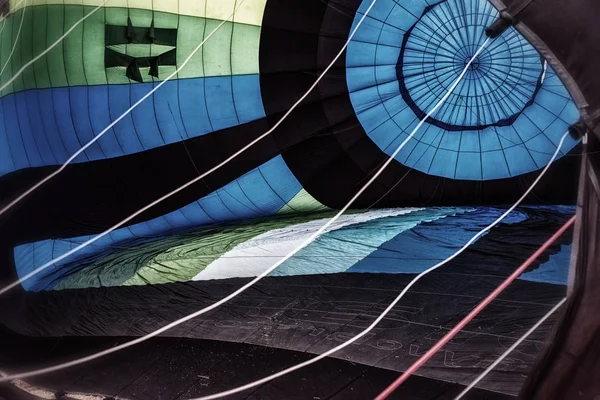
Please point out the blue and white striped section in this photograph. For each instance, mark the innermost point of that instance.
(261, 192)
(415, 251)
(346, 242)
(46, 126)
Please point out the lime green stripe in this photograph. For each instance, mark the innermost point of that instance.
(79, 60)
(302, 202)
(250, 12)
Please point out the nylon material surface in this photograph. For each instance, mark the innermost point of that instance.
(497, 124)
(558, 26)
(252, 257)
(321, 311)
(206, 363)
(170, 259)
(328, 153)
(333, 162)
(363, 157)
(250, 13)
(75, 65)
(261, 192)
(567, 367)
(31, 128)
(416, 240)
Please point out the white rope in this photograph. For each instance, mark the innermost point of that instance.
(16, 40)
(392, 304)
(116, 121)
(281, 261)
(184, 186)
(510, 349)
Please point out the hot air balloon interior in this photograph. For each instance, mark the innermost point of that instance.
(199, 194)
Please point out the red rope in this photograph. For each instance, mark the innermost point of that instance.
(419, 363)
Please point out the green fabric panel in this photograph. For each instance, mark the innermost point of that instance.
(177, 258)
(5, 46)
(217, 51)
(171, 21)
(188, 36)
(74, 44)
(24, 49)
(141, 17)
(15, 60)
(55, 58)
(140, 50)
(116, 16)
(302, 202)
(93, 56)
(79, 59)
(244, 51)
(40, 26)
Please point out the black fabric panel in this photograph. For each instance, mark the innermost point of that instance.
(180, 369)
(115, 35)
(115, 59)
(570, 30)
(318, 312)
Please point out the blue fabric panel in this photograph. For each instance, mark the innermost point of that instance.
(64, 121)
(15, 137)
(248, 99)
(119, 101)
(280, 179)
(255, 194)
(444, 163)
(380, 135)
(80, 116)
(100, 119)
(168, 114)
(29, 140)
(385, 73)
(193, 107)
(144, 117)
(469, 165)
(415, 250)
(221, 109)
(522, 154)
(555, 270)
(334, 246)
(6, 156)
(46, 126)
(360, 78)
(50, 126)
(470, 142)
(493, 165)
